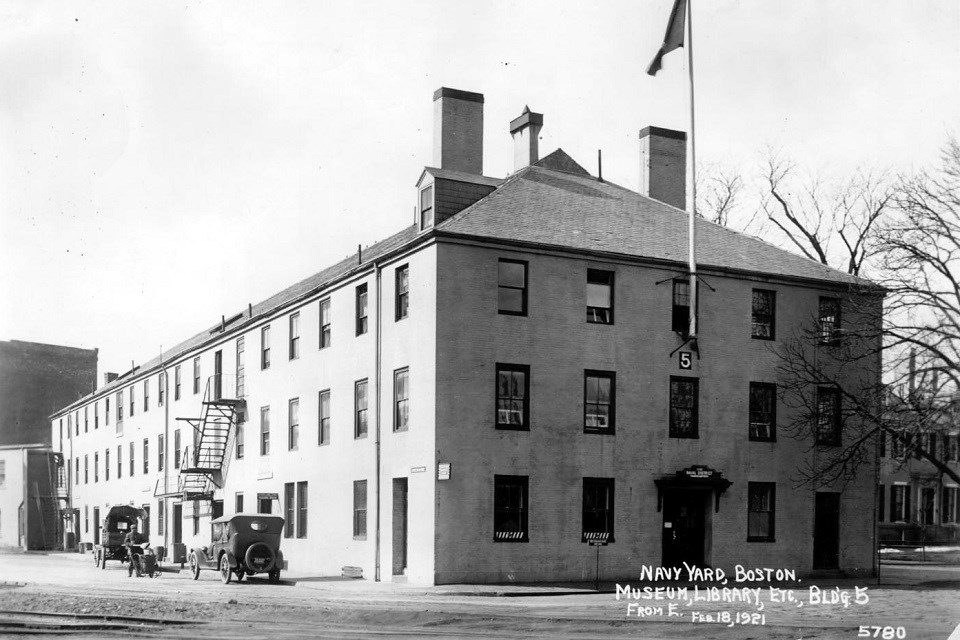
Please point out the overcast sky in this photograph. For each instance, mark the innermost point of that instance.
(165, 163)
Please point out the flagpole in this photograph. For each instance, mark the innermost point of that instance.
(692, 178)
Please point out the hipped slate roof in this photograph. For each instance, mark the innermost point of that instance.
(554, 203)
(563, 206)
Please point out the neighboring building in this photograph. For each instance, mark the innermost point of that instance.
(31, 488)
(916, 501)
(36, 380)
(477, 397)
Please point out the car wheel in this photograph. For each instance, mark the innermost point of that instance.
(194, 566)
(275, 576)
(226, 573)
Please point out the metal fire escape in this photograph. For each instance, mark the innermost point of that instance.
(204, 466)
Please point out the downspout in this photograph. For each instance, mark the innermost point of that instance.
(166, 447)
(377, 356)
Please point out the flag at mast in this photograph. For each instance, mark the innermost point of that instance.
(680, 18)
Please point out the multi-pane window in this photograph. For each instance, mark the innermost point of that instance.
(119, 461)
(119, 408)
(241, 367)
(176, 449)
(761, 511)
(146, 395)
(70, 425)
(238, 440)
(927, 500)
(176, 382)
(828, 415)
(106, 411)
(289, 509)
(599, 388)
(928, 441)
(76, 473)
(512, 287)
(161, 388)
(293, 424)
(238, 503)
(763, 411)
(401, 399)
(106, 464)
(196, 375)
(897, 445)
(325, 333)
(513, 396)
(680, 321)
(133, 404)
(510, 510)
(161, 518)
(86, 421)
(599, 296)
(360, 510)
(900, 503)
(763, 315)
(323, 426)
(948, 505)
(426, 207)
(684, 399)
(96, 467)
(96, 417)
(302, 509)
(264, 430)
(402, 302)
(362, 309)
(146, 456)
(829, 320)
(133, 453)
(161, 452)
(598, 509)
(881, 495)
(360, 409)
(294, 345)
(265, 347)
(86, 469)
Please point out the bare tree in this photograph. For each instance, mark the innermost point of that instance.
(907, 239)
(834, 223)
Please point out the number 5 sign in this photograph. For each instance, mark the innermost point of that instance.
(685, 359)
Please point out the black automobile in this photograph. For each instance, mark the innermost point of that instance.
(115, 527)
(241, 545)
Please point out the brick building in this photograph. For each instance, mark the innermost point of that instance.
(480, 395)
(36, 380)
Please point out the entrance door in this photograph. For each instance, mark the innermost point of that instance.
(217, 375)
(826, 531)
(178, 522)
(96, 525)
(399, 526)
(683, 527)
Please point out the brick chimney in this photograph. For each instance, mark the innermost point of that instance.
(663, 165)
(458, 130)
(526, 138)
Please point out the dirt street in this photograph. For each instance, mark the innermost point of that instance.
(922, 600)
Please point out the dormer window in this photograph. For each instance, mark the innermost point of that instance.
(426, 207)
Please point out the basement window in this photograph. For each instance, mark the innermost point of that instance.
(426, 207)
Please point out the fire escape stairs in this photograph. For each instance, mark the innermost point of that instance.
(204, 469)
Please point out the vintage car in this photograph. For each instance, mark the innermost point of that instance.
(116, 526)
(241, 544)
